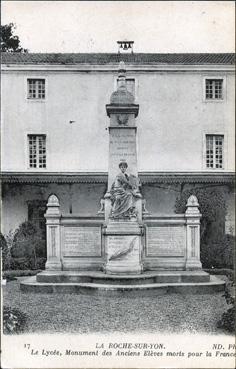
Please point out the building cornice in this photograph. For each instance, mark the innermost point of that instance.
(102, 177)
(88, 67)
(187, 177)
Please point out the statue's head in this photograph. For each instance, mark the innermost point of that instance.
(123, 166)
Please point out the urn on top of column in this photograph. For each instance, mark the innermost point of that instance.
(122, 110)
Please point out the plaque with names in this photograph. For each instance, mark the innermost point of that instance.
(122, 147)
(123, 144)
(82, 241)
(165, 241)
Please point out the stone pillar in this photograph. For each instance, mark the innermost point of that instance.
(52, 216)
(123, 232)
(122, 136)
(193, 217)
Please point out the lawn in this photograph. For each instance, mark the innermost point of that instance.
(68, 313)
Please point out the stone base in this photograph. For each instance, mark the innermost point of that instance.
(123, 248)
(115, 268)
(97, 277)
(100, 284)
(193, 264)
(53, 264)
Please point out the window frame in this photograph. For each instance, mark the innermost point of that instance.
(224, 151)
(36, 100)
(223, 79)
(28, 134)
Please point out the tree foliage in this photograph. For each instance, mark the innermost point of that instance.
(228, 321)
(217, 248)
(6, 255)
(14, 320)
(9, 41)
(212, 205)
(28, 246)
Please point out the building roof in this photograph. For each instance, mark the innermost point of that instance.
(106, 58)
(102, 177)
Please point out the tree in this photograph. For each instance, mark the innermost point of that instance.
(9, 41)
(28, 245)
(217, 248)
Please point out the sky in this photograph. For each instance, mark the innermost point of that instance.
(95, 26)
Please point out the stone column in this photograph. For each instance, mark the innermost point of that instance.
(193, 217)
(52, 216)
(123, 232)
(122, 137)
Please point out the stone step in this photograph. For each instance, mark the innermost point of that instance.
(140, 279)
(30, 284)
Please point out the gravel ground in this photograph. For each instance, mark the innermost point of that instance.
(173, 313)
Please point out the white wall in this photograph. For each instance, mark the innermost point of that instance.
(172, 121)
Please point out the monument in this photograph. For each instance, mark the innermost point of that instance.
(123, 248)
(123, 200)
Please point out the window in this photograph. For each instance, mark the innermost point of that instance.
(35, 88)
(130, 85)
(214, 151)
(37, 151)
(214, 89)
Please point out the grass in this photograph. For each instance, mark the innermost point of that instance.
(70, 313)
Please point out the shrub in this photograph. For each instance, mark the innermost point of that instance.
(227, 320)
(6, 246)
(28, 245)
(14, 320)
(229, 273)
(6, 254)
(40, 262)
(218, 254)
(216, 247)
(22, 263)
(10, 275)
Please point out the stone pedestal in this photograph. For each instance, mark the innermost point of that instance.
(123, 247)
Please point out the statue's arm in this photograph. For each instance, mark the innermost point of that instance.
(123, 180)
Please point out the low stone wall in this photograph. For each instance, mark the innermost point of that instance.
(170, 242)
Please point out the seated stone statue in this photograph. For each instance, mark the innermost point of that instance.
(123, 192)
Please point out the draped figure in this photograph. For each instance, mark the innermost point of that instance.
(123, 192)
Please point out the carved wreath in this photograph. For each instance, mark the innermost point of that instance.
(122, 119)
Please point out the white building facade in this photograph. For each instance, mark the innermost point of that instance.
(55, 137)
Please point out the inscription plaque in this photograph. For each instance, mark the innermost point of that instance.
(166, 241)
(122, 147)
(82, 241)
(123, 144)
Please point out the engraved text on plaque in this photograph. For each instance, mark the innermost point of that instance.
(166, 241)
(82, 241)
